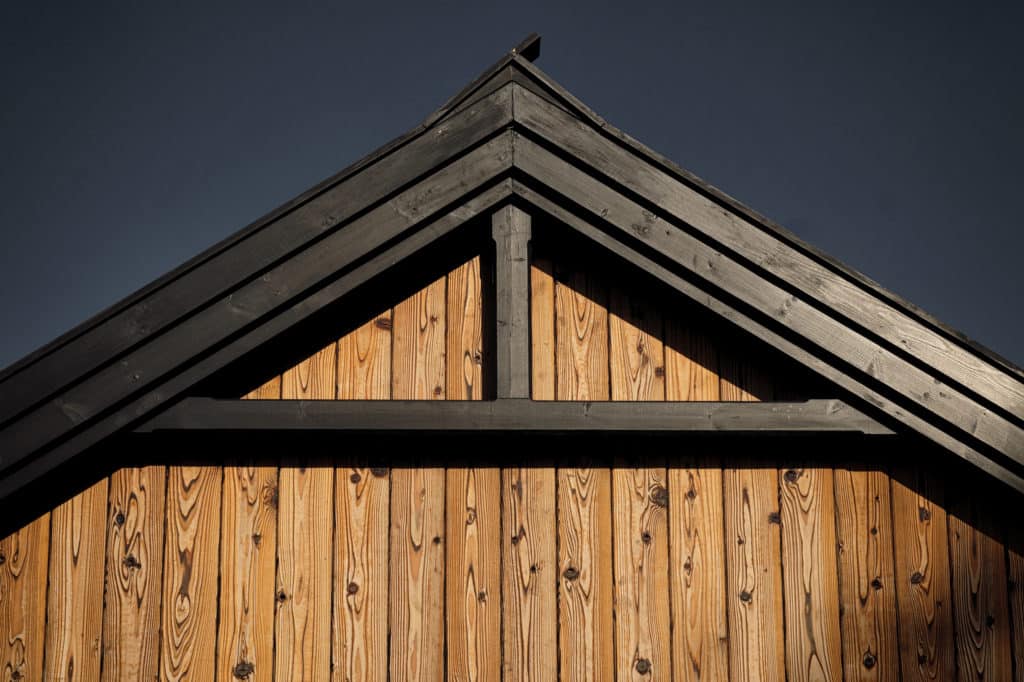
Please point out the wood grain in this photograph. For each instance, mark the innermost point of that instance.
(640, 499)
(23, 572)
(473, 511)
(542, 329)
(640, 532)
(418, 497)
(417, 573)
(696, 519)
(473, 572)
(636, 353)
(922, 576)
(753, 575)
(189, 609)
(585, 575)
(74, 614)
(1015, 587)
(867, 595)
(248, 549)
(418, 353)
(135, 546)
(980, 603)
(362, 509)
(529, 591)
(581, 324)
(810, 587)
(364, 360)
(305, 522)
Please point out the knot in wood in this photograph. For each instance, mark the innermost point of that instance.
(131, 562)
(352, 588)
(791, 475)
(659, 496)
(470, 516)
(869, 660)
(774, 517)
(437, 539)
(119, 518)
(691, 494)
(379, 472)
(923, 514)
(646, 537)
(990, 621)
(922, 658)
(876, 583)
(643, 666)
(17, 675)
(3, 558)
(355, 477)
(571, 573)
(243, 670)
(916, 578)
(746, 597)
(481, 596)
(533, 568)
(874, 530)
(383, 323)
(257, 539)
(281, 596)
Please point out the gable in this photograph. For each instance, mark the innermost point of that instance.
(513, 135)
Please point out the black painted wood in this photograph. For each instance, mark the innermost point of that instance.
(511, 230)
(521, 415)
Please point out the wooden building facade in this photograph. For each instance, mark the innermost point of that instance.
(513, 398)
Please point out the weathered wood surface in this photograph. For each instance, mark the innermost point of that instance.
(511, 229)
(135, 548)
(305, 536)
(23, 573)
(74, 619)
(810, 586)
(864, 532)
(981, 608)
(418, 497)
(529, 591)
(585, 575)
(697, 544)
(923, 600)
(362, 510)
(189, 605)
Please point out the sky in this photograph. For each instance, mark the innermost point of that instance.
(889, 135)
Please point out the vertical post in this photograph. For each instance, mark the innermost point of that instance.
(510, 228)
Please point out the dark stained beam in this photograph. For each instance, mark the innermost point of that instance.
(812, 416)
(510, 227)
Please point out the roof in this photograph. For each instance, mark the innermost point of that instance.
(513, 134)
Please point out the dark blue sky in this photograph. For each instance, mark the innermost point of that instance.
(889, 136)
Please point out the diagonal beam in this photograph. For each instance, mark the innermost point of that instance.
(510, 227)
(525, 416)
(584, 226)
(251, 337)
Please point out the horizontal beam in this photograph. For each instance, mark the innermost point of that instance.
(812, 416)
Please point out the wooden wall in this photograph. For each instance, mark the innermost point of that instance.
(640, 561)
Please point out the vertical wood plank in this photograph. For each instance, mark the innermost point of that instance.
(473, 573)
(24, 556)
(810, 587)
(640, 500)
(74, 618)
(529, 591)
(511, 229)
(305, 522)
(1015, 589)
(980, 601)
(362, 508)
(135, 545)
(581, 327)
(640, 531)
(473, 516)
(189, 604)
(922, 576)
(866, 579)
(417, 497)
(586, 589)
(364, 361)
(696, 520)
(753, 579)
(542, 329)
(752, 541)
(248, 549)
